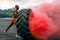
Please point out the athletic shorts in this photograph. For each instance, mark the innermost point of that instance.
(13, 20)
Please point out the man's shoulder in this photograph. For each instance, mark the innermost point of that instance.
(14, 10)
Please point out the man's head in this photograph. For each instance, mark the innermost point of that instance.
(17, 7)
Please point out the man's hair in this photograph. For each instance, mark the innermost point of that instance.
(17, 6)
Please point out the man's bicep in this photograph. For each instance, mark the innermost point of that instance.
(14, 12)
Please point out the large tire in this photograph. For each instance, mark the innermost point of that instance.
(23, 24)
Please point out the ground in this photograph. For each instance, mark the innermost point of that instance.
(4, 23)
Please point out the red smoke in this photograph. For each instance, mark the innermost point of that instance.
(44, 20)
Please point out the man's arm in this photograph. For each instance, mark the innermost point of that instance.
(14, 14)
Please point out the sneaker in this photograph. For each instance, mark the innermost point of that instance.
(5, 33)
(18, 36)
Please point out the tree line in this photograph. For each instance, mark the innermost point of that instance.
(6, 13)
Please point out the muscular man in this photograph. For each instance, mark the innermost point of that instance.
(13, 21)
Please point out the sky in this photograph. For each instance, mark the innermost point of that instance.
(6, 4)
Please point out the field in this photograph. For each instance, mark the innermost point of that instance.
(4, 23)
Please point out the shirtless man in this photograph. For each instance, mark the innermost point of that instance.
(13, 21)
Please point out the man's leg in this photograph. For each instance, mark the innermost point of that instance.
(17, 34)
(9, 27)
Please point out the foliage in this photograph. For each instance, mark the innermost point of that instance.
(6, 13)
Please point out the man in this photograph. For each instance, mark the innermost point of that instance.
(13, 21)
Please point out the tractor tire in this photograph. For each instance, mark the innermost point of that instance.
(23, 24)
